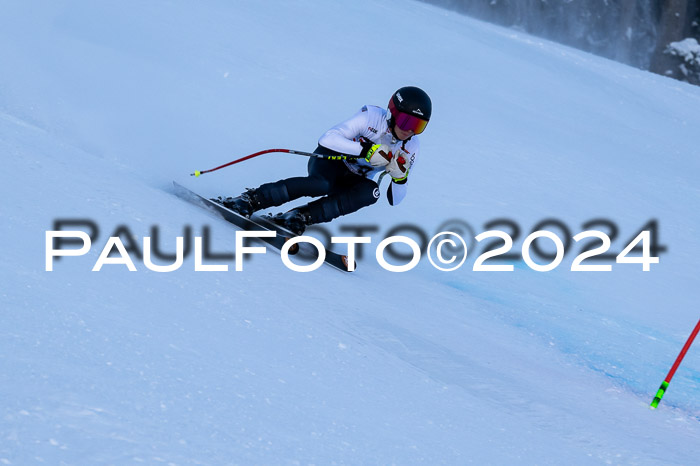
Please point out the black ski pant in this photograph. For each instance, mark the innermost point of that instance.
(343, 191)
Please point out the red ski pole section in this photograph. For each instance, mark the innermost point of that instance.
(242, 159)
(286, 151)
(683, 351)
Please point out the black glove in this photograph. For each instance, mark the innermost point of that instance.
(368, 148)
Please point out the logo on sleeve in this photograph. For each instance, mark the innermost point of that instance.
(376, 193)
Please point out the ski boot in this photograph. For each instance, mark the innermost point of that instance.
(244, 205)
(295, 220)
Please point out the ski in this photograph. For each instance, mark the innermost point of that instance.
(230, 216)
(339, 261)
(256, 222)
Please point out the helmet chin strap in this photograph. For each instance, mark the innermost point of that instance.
(392, 126)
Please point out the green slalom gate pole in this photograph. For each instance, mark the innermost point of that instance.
(286, 151)
(667, 380)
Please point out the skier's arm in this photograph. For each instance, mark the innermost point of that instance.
(397, 191)
(399, 177)
(340, 137)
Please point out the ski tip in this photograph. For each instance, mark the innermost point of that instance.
(197, 173)
(346, 263)
(294, 248)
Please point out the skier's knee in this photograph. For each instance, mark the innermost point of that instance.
(368, 193)
(272, 194)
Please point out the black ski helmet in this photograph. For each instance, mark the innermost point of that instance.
(410, 109)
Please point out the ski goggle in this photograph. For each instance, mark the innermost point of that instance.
(406, 121)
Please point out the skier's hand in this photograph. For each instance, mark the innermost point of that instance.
(398, 166)
(378, 155)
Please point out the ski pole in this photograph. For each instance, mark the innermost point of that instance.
(287, 151)
(667, 380)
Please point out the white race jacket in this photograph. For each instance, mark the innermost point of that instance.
(371, 123)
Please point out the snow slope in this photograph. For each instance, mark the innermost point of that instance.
(102, 104)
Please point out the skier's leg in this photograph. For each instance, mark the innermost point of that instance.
(360, 194)
(319, 182)
(321, 179)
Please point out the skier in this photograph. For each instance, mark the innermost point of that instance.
(384, 139)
